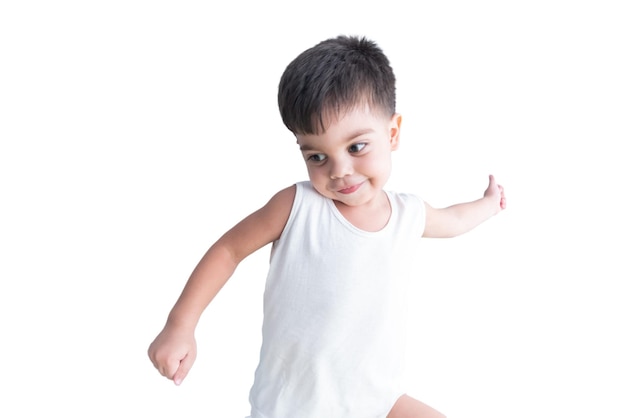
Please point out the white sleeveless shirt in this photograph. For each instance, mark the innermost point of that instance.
(334, 312)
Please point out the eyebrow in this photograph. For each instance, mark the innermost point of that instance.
(349, 138)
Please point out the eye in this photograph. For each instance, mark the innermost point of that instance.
(316, 158)
(354, 148)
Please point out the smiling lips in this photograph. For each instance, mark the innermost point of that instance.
(350, 189)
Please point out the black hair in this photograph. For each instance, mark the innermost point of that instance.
(332, 77)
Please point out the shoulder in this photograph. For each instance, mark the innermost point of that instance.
(282, 201)
(297, 194)
(292, 199)
(407, 201)
(262, 226)
(410, 210)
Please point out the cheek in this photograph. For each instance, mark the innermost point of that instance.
(377, 164)
(315, 173)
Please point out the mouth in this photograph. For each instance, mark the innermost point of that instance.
(350, 189)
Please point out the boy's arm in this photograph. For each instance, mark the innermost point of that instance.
(174, 350)
(457, 219)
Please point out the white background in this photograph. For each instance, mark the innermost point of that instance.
(134, 133)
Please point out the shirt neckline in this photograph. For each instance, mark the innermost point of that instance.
(350, 226)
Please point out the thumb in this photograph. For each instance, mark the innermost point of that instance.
(183, 368)
(491, 187)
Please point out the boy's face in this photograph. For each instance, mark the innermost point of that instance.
(351, 161)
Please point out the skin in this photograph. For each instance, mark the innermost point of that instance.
(349, 163)
(356, 151)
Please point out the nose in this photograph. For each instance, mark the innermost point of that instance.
(341, 168)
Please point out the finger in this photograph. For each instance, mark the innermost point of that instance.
(156, 359)
(502, 197)
(170, 368)
(183, 369)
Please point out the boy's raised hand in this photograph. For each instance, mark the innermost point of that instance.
(173, 352)
(496, 192)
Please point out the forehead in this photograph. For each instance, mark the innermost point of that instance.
(333, 109)
(346, 126)
(361, 114)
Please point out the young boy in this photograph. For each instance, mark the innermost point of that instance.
(333, 330)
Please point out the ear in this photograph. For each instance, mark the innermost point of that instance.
(394, 130)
